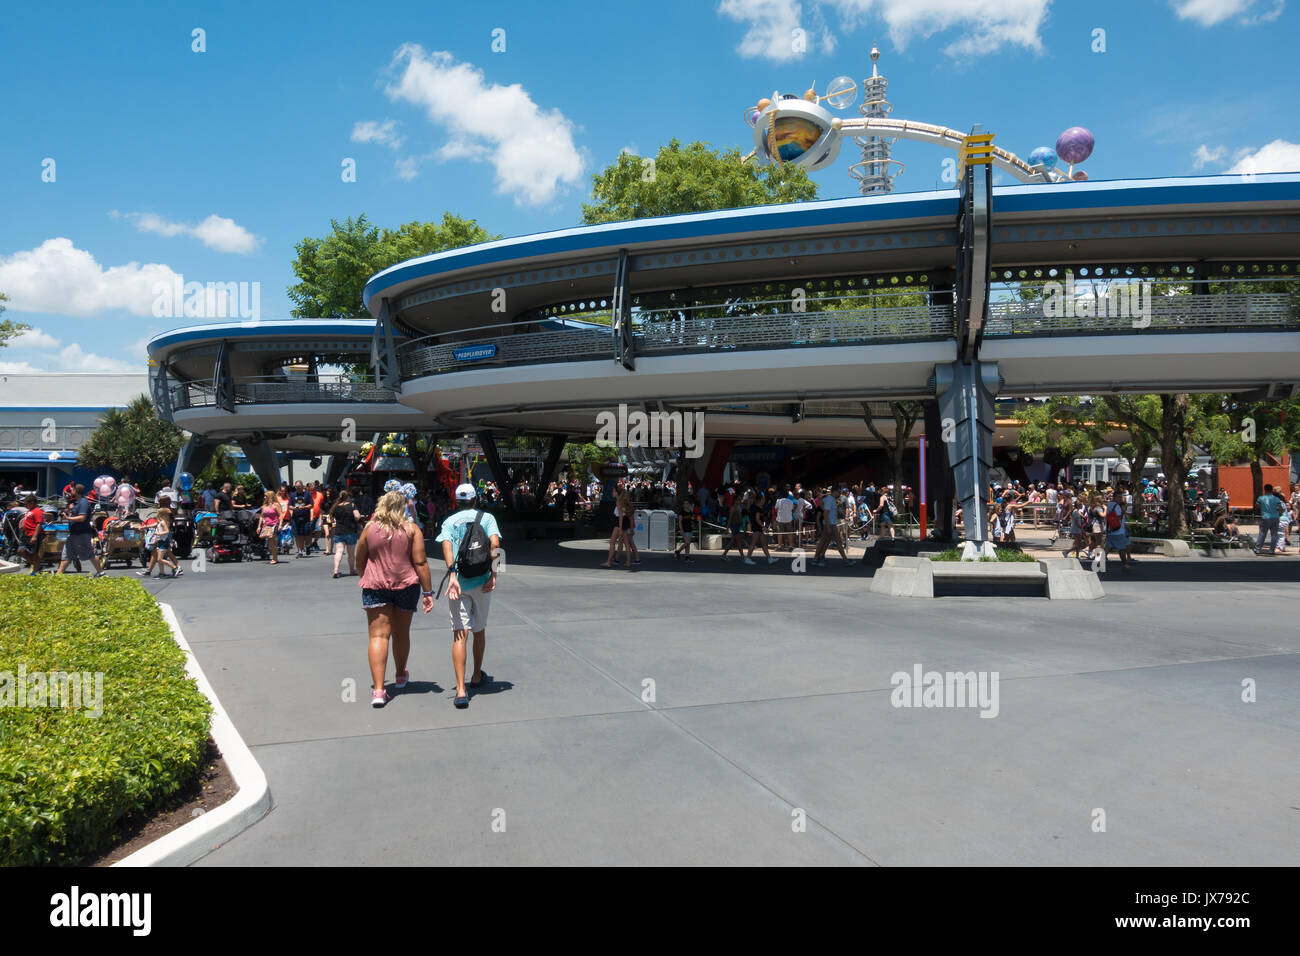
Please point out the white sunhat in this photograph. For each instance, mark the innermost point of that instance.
(466, 492)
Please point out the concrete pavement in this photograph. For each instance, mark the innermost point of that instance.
(771, 694)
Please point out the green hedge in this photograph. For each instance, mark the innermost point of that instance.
(1004, 554)
(66, 778)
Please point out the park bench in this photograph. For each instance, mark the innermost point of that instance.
(1169, 547)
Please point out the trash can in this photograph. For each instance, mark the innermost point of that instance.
(660, 530)
(641, 529)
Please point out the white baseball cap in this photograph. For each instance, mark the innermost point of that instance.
(466, 492)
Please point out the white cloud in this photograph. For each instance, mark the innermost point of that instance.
(215, 232)
(73, 359)
(70, 358)
(985, 25)
(1278, 156)
(1205, 155)
(771, 27)
(34, 339)
(1209, 12)
(372, 131)
(532, 150)
(18, 367)
(56, 277)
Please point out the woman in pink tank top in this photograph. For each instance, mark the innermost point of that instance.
(394, 572)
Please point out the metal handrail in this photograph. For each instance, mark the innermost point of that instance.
(1183, 313)
(273, 390)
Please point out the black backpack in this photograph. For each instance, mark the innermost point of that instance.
(475, 556)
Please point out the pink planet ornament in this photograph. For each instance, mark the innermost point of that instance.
(1075, 145)
(1079, 176)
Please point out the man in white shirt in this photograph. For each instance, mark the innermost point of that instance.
(784, 520)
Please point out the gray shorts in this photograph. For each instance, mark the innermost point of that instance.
(78, 547)
(469, 612)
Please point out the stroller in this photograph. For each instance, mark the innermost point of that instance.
(205, 523)
(226, 543)
(51, 550)
(121, 540)
(11, 534)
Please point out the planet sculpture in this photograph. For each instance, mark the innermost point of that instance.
(1043, 156)
(1079, 176)
(1075, 145)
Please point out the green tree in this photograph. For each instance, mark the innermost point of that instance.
(906, 415)
(333, 270)
(9, 329)
(691, 178)
(134, 442)
(1235, 431)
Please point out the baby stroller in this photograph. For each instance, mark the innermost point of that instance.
(11, 534)
(226, 542)
(121, 540)
(205, 523)
(52, 544)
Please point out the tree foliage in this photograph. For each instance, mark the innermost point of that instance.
(691, 178)
(333, 270)
(134, 442)
(8, 328)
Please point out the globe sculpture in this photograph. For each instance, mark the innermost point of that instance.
(1043, 156)
(1075, 145)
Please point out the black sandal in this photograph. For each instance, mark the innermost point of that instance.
(462, 702)
(483, 678)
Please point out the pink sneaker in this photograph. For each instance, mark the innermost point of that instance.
(379, 698)
(402, 679)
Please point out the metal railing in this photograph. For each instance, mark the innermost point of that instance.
(277, 391)
(673, 332)
(792, 329)
(1190, 313)
(708, 329)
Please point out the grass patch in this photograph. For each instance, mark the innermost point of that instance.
(67, 778)
(1003, 554)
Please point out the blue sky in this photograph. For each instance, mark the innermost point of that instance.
(212, 165)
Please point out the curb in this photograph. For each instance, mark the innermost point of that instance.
(250, 803)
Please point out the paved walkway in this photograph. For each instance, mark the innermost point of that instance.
(772, 692)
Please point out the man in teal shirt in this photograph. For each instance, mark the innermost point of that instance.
(1269, 506)
(471, 599)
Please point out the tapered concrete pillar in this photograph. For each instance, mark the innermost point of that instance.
(966, 420)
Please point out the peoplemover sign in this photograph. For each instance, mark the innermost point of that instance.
(473, 353)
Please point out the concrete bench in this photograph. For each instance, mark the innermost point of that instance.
(1060, 578)
(1169, 547)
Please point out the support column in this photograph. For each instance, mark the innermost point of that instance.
(223, 383)
(548, 469)
(504, 482)
(264, 462)
(383, 351)
(194, 457)
(965, 393)
(160, 391)
(334, 470)
(938, 474)
(621, 316)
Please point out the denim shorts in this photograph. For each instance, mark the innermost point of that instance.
(404, 599)
(345, 539)
(302, 527)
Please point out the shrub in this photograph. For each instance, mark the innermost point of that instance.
(67, 778)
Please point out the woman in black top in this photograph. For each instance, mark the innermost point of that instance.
(685, 527)
(757, 513)
(344, 520)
